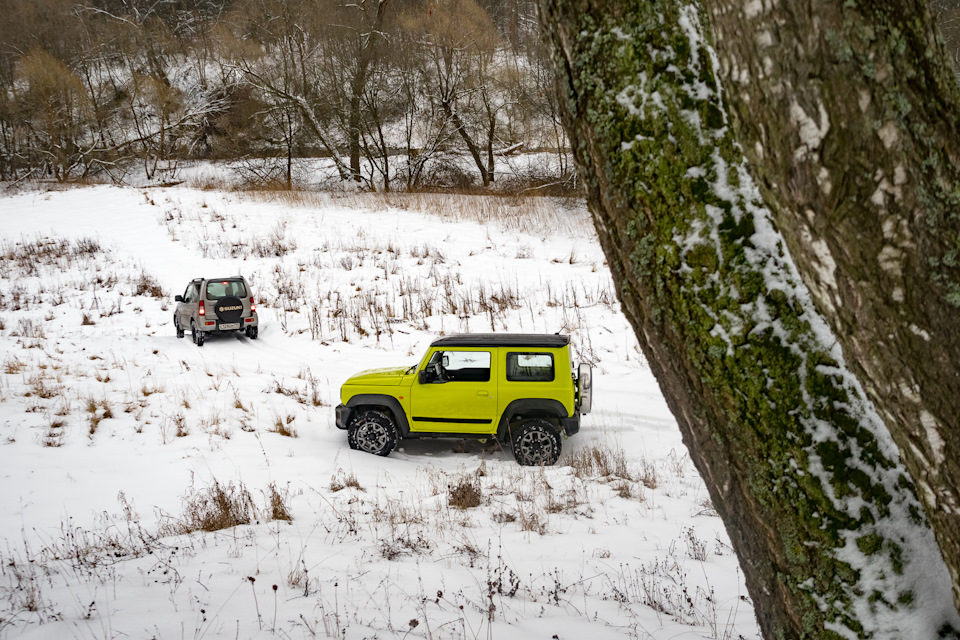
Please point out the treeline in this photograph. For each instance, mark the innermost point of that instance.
(384, 88)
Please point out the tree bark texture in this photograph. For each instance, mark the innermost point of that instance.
(848, 113)
(798, 464)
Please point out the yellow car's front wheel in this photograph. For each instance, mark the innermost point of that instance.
(373, 432)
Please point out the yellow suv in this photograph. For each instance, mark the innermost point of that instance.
(513, 387)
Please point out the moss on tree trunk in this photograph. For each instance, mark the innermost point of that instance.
(850, 117)
(799, 466)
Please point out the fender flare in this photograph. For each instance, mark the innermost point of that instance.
(534, 407)
(380, 400)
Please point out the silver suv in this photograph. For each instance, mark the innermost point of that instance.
(219, 305)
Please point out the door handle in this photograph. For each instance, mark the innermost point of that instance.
(482, 393)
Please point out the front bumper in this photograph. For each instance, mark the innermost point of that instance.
(343, 415)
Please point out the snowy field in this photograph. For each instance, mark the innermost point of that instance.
(122, 447)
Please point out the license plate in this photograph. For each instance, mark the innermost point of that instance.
(226, 326)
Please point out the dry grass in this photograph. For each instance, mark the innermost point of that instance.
(532, 214)
(219, 506)
(12, 365)
(341, 480)
(527, 213)
(530, 519)
(277, 499)
(180, 422)
(28, 257)
(465, 493)
(147, 285)
(99, 411)
(284, 426)
(38, 386)
(54, 433)
(147, 390)
(310, 396)
(598, 461)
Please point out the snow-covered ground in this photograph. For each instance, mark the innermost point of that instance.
(117, 437)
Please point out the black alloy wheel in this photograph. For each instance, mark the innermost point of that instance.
(536, 443)
(373, 432)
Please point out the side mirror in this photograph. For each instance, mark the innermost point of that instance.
(178, 298)
(424, 377)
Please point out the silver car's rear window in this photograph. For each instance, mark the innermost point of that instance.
(217, 289)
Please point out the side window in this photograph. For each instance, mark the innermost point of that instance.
(530, 367)
(186, 294)
(191, 294)
(463, 366)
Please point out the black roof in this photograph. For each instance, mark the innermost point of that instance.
(548, 340)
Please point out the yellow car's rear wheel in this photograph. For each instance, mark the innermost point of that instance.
(535, 443)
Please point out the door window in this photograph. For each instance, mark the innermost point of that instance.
(459, 366)
(530, 367)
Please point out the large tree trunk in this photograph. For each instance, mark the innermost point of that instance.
(797, 462)
(848, 113)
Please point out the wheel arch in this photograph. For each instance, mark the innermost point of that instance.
(375, 400)
(531, 408)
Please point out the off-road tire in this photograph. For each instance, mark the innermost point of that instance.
(251, 332)
(535, 443)
(196, 334)
(176, 325)
(373, 432)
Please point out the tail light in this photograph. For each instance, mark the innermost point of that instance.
(202, 311)
(253, 305)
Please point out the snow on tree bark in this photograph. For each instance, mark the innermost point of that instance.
(800, 467)
(857, 151)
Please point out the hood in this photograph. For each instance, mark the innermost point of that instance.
(379, 377)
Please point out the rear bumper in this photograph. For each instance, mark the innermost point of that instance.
(243, 323)
(343, 415)
(571, 425)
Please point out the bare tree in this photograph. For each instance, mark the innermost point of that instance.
(458, 41)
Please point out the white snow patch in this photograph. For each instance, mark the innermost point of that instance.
(823, 179)
(890, 259)
(934, 438)
(920, 332)
(910, 392)
(753, 8)
(767, 66)
(811, 133)
(889, 134)
(899, 175)
(824, 265)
